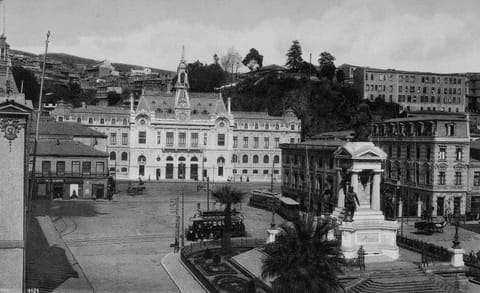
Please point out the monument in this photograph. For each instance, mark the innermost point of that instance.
(363, 224)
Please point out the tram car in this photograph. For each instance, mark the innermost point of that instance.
(284, 206)
(210, 225)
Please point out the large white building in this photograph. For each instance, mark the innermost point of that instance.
(188, 135)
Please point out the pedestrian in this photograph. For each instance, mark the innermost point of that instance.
(74, 195)
(472, 257)
(361, 258)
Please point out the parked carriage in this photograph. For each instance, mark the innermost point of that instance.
(430, 227)
(136, 189)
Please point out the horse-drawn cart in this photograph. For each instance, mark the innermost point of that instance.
(430, 227)
(136, 189)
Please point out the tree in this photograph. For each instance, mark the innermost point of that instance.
(340, 76)
(327, 65)
(31, 88)
(302, 259)
(231, 62)
(228, 196)
(294, 56)
(113, 98)
(253, 60)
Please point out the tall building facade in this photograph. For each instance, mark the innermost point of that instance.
(188, 136)
(413, 91)
(428, 162)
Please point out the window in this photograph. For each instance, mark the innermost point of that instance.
(194, 138)
(234, 158)
(113, 138)
(142, 137)
(60, 168)
(476, 179)
(255, 142)
(102, 121)
(265, 172)
(277, 127)
(265, 159)
(124, 156)
(244, 159)
(277, 142)
(399, 151)
(443, 153)
(255, 171)
(266, 126)
(245, 126)
(46, 168)
(76, 167)
(256, 125)
(417, 153)
(266, 142)
(113, 121)
(125, 122)
(408, 152)
(450, 129)
(159, 137)
(221, 139)
(427, 177)
(90, 120)
(245, 142)
(169, 138)
(244, 171)
(100, 168)
(428, 153)
(292, 140)
(124, 170)
(182, 139)
(292, 127)
(458, 178)
(79, 120)
(459, 154)
(255, 159)
(235, 142)
(86, 168)
(205, 139)
(441, 178)
(124, 138)
(276, 159)
(113, 156)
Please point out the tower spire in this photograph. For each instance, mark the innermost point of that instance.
(183, 53)
(4, 2)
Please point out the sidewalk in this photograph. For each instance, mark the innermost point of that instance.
(184, 280)
(53, 262)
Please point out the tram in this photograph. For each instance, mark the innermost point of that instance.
(284, 206)
(210, 225)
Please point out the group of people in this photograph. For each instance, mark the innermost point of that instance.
(474, 257)
(211, 230)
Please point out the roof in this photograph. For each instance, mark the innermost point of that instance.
(315, 144)
(342, 134)
(102, 109)
(255, 115)
(67, 128)
(67, 148)
(428, 117)
(288, 200)
(252, 261)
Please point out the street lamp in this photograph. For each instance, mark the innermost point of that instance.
(400, 205)
(182, 173)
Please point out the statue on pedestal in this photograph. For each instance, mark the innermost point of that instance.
(351, 201)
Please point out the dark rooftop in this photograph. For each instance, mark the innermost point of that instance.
(67, 148)
(67, 128)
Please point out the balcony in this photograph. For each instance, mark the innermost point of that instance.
(53, 175)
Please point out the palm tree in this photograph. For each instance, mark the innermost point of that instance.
(302, 259)
(228, 196)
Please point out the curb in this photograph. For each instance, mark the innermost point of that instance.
(180, 280)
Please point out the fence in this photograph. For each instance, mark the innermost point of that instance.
(214, 244)
(433, 251)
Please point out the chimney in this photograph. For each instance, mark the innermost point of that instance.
(229, 106)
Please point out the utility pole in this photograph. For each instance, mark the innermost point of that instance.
(271, 182)
(183, 206)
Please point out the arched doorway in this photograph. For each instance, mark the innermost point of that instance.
(220, 163)
(194, 168)
(181, 168)
(169, 168)
(142, 160)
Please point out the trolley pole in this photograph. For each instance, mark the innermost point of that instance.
(208, 193)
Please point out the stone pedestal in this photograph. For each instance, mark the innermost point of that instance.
(368, 228)
(272, 233)
(457, 257)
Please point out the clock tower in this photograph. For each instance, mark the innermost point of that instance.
(182, 100)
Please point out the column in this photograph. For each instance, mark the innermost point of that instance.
(341, 193)
(400, 208)
(354, 181)
(376, 191)
(419, 208)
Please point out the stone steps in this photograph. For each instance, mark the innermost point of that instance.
(400, 286)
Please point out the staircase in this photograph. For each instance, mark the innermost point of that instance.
(396, 277)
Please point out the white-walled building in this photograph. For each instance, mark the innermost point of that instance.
(189, 135)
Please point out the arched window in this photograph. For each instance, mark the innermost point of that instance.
(125, 122)
(182, 77)
(277, 127)
(181, 159)
(169, 158)
(124, 156)
(267, 126)
(265, 159)
(79, 120)
(113, 121)
(142, 160)
(292, 127)
(255, 159)
(244, 159)
(234, 158)
(102, 121)
(90, 120)
(256, 125)
(245, 126)
(113, 156)
(194, 159)
(221, 160)
(276, 159)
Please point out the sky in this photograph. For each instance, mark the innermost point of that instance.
(421, 35)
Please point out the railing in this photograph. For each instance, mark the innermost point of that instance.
(69, 174)
(433, 251)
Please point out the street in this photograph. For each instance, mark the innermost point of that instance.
(119, 244)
